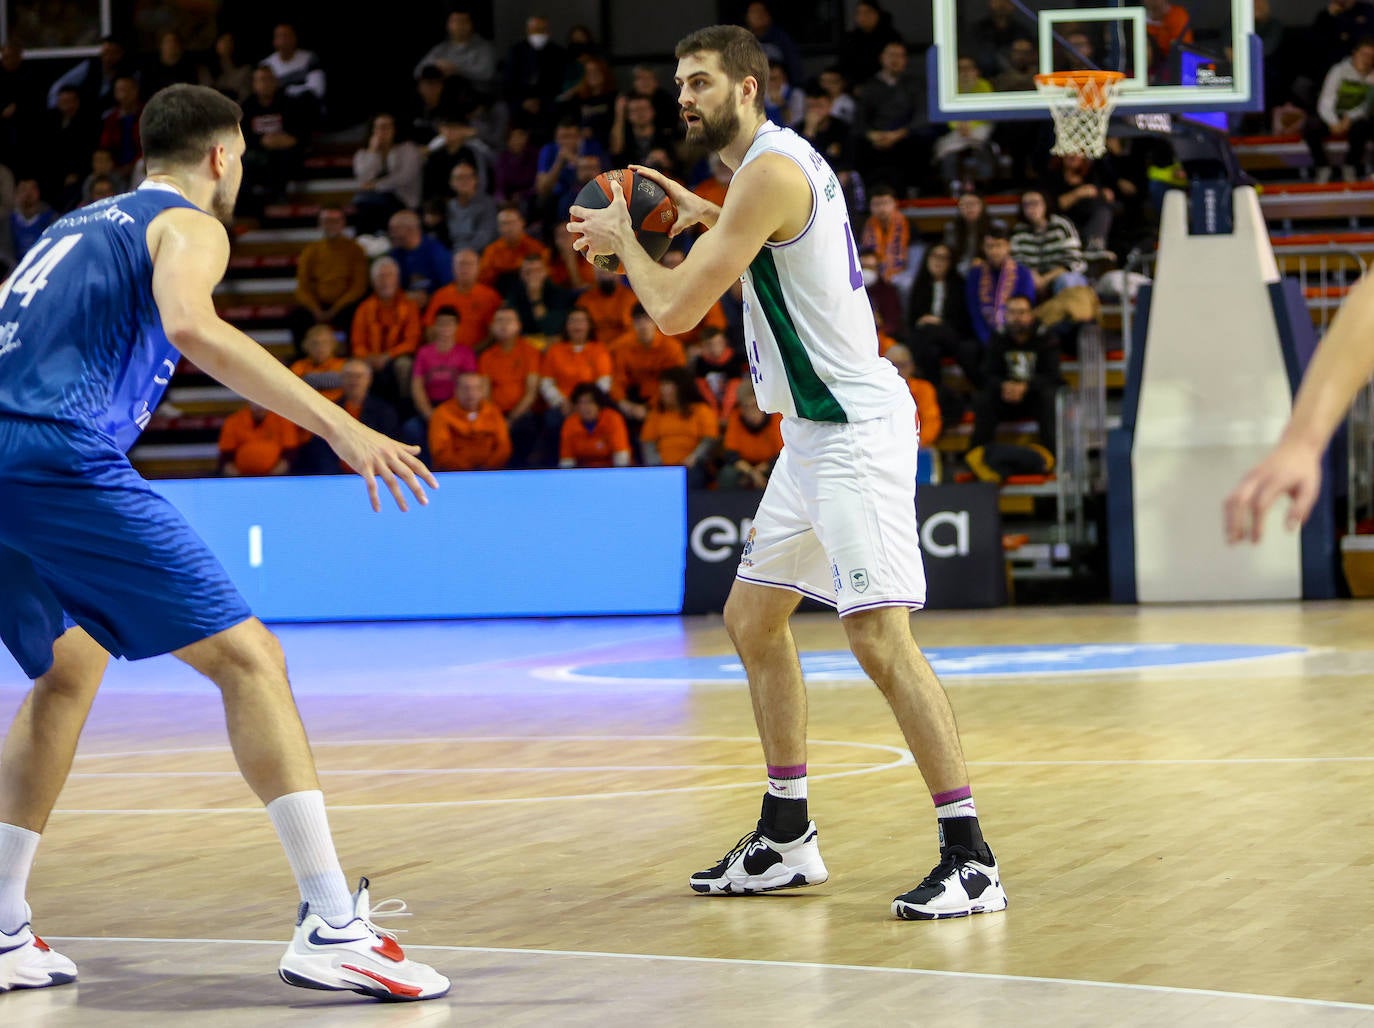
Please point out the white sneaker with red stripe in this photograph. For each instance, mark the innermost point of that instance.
(356, 957)
(27, 962)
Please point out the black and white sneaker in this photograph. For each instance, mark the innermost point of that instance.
(961, 884)
(758, 864)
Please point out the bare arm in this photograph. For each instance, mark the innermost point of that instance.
(190, 251)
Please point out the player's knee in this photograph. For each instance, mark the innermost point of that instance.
(871, 646)
(246, 653)
(744, 623)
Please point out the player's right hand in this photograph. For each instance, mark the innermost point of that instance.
(372, 455)
(691, 209)
(1289, 470)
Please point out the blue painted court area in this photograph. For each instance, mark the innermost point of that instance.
(430, 657)
(948, 661)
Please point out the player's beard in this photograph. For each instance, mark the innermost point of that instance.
(715, 132)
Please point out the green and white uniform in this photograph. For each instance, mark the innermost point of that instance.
(813, 350)
(838, 519)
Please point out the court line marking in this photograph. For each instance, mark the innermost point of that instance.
(791, 964)
(468, 739)
(568, 673)
(902, 756)
(1170, 760)
(565, 769)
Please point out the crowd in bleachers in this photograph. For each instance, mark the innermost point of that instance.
(444, 303)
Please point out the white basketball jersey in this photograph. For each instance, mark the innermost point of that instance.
(813, 350)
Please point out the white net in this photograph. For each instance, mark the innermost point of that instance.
(1081, 104)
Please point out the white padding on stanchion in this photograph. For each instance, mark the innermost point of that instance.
(1214, 397)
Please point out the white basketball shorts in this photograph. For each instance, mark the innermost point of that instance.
(838, 519)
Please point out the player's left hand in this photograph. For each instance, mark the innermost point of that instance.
(1289, 470)
(604, 231)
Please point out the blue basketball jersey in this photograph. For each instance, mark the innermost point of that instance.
(81, 340)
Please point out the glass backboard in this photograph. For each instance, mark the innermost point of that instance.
(1202, 58)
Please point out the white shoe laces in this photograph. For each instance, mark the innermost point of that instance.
(387, 908)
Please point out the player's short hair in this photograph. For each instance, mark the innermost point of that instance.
(180, 123)
(740, 54)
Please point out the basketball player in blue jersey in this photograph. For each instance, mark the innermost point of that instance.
(838, 519)
(93, 562)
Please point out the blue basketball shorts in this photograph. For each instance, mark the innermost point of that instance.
(85, 541)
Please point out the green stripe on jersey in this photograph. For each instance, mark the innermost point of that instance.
(810, 395)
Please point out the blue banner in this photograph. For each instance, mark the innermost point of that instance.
(490, 544)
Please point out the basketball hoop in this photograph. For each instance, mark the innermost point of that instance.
(1080, 103)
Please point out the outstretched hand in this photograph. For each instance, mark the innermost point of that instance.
(373, 456)
(1289, 470)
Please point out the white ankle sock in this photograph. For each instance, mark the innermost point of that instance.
(17, 847)
(303, 828)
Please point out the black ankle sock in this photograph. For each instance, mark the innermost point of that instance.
(783, 820)
(963, 831)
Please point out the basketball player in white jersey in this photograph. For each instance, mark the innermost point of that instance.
(838, 519)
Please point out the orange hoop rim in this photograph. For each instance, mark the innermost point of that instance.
(1080, 81)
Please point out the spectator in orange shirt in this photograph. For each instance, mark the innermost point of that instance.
(610, 303)
(566, 364)
(595, 436)
(320, 367)
(468, 432)
(501, 259)
(255, 441)
(928, 418)
(577, 358)
(753, 441)
(511, 364)
(1166, 24)
(680, 429)
(638, 358)
(386, 331)
(474, 302)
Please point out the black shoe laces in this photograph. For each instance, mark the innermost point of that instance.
(739, 847)
(949, 863)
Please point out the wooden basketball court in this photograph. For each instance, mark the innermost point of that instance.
(1186, 844)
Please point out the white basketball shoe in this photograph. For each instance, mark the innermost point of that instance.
(356, 957)
(758, 864)
(27, 962)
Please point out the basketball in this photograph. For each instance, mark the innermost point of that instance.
(652, 213)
